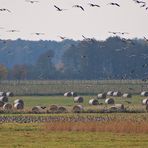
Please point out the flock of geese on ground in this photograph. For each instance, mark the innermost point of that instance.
(142, 4)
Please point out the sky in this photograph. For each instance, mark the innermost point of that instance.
(72, 23)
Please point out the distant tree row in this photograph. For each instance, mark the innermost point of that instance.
(114, 58)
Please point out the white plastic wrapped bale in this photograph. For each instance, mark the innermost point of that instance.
(78, 99)
(93, 102)
(20, 101)
(101, 96)
(74, 94)
(19, 106)
(2, 94)
(110, 93)
(7, 106)
(3, 99)
(109, 101)
(9, 94)
(77, 108)
(126, 95)
(145, 101)
(144, 93)
(117, 94)
(67, 94)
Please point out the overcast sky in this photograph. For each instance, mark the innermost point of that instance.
(72, 23)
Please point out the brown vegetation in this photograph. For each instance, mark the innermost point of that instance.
(125, 126)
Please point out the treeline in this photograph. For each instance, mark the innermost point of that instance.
(114, 58)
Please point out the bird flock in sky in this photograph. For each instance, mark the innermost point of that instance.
(142, 4)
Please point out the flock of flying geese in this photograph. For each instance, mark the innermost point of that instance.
(142, 4)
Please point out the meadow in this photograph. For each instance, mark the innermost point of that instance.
(67, 102)
(59, 87)
(92, 128)
(121, 130)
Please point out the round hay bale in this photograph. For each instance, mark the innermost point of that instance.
(53, 108)
(145, 101)
(126, 95)
(1, 103)
(110, 93)
(20, 101)
(3, 99)
(144, 93)
(119, 106)
(78, 99)
(117, 94)
(19, 106)
(101, 96)
(9, 94)
(74, 94)
(36, 109)
(7, 106)
(62, 109)
(93, 102)
(109, 101)
(146, 107)
(2, 94)
(67, 94)
(77, 108)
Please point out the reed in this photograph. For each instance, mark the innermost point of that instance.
(126, 126)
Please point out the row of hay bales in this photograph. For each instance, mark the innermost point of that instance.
(18, 104)
(144, 94)
(52, 109)
(70, 94)
(57, 109)
(111, 101)
(7, 94)
(96, 102)
(145, 100)
(4, 101)
(116, 107)
(114, 94)
(80, 99)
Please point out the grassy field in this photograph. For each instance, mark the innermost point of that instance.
(84, 87)
(67, 102)
(112, 130)
(70, 135)
(71, 130)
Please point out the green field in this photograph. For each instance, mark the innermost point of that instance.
(31, 101)
(83, 87)
(70, 130)
(16, 135)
